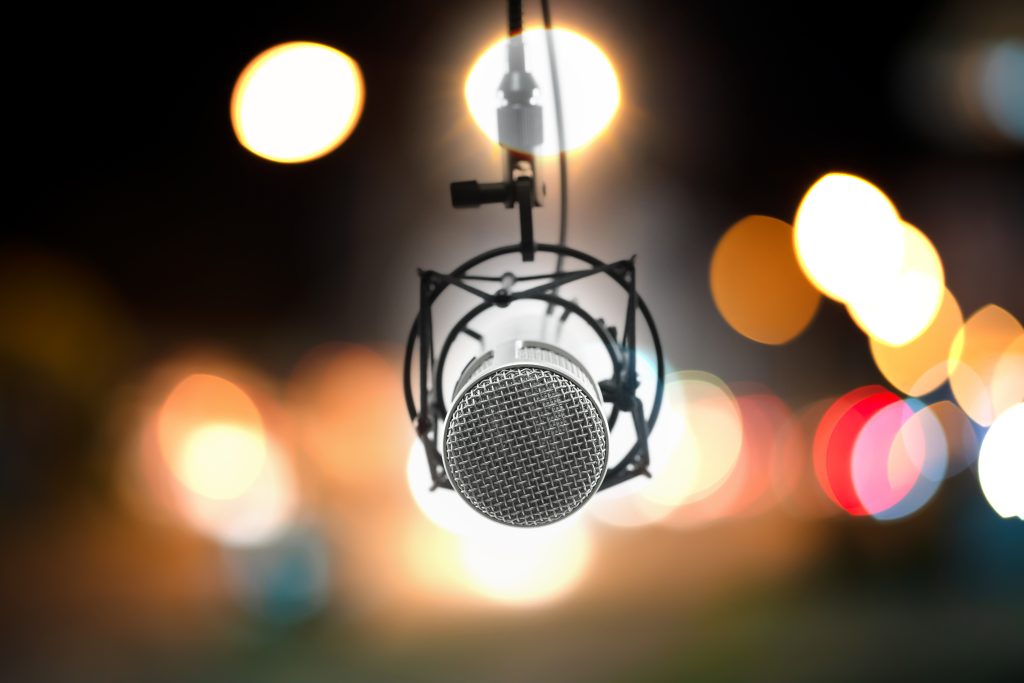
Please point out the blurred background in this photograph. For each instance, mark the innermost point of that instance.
(207, 471)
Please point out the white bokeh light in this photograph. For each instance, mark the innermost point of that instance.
(297, 102)
(590, 92)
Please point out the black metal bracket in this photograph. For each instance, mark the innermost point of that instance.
(469, 194)
(619, 390)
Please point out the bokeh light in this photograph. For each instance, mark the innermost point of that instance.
(898, 460)
(757, 283)
(974, 358)
(297, 102)
(217, 466)
(836, 438)
(526, 566)
(848, 236)
(704, 442)
(897, 309)
(1008, 377)
(222, 460)
(959, 434)
(1001, 463)
(589, 87)
(1001, 84)
(921, 366)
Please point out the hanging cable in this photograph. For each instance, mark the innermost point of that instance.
(563, 157)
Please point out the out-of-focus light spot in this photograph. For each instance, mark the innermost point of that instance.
(443, 507)
(899, 308)
(589, 87)
(1001, 463)
(222, 460)
(848, 236)
(346, 404)
(231, 481)
(974, 357)
(1008, 377)
(260, 514)
(898, 461)
(921, 366)
(297, 101)
(1001, 85)
(959, 434)
(526, 566)
(286, 581)
(703, 437)
(196, 402)
(757, 283)
(748, 489)
(836, 438)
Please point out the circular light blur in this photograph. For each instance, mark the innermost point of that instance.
(1008, 377)
(1001, 463)
(900, 451)
(1002, 88)
(703, 439)
(222, 460)
(589, 87)
(757, 284)
(526, 566)
(297, 101)
(200, 420)
(898, 309)
(959, 434)
(836, 438)
(848, 236)
(974, 357)
(261, 513)
(921, 366)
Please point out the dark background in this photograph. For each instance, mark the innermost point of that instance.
(123, 170)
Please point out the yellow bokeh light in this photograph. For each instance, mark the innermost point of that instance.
(896, 310)
(261, 512)
(921, 366)
(222, 460)
(526, 566)
(297, 102)
(700, 444)
(590, 92)
(757, 283)
(1008, 377)
(974, 358)
(847, 235)
(1001, 463)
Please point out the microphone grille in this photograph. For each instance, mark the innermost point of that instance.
(524, 444)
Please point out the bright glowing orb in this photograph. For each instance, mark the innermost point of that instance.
(589, 87)
(222, 460)
(297, 102)
(526, 566)
(899, 309)
(757, 284)
(1001, 463)
(847, 235)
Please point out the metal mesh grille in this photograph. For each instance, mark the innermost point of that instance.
(526, 446)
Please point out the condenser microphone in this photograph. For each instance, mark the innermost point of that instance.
(526, 441)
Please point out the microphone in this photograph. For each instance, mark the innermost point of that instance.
(526, 441)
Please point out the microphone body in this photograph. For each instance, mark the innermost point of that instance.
(526, 441)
